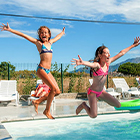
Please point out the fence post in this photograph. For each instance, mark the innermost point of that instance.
(107, 81)
(62, 77)
(8, 71)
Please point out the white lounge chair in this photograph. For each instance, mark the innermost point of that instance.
(39, 81)
(138, 81)
(109, 90)
(8, 91)
(122, 87)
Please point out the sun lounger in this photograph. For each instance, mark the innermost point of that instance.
(8, 91)
(111, 91)
(122, 87)
(138, 81)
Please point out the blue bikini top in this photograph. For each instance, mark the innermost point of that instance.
(45, 50)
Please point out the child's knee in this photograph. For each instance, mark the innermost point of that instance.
(56, 91)
(118, 105)
(93, 115)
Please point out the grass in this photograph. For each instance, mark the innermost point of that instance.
(81, 85)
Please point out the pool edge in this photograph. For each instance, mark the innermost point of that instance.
(61, 116)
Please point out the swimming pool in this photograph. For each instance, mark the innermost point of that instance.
(124, 126)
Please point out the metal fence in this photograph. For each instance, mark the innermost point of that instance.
(68, 78)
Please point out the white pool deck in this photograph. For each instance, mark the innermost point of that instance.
(60, 108)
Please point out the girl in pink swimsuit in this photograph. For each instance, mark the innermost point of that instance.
(100, 68)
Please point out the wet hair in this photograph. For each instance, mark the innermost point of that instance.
(99, 51)
(97, 58)
(39, 30)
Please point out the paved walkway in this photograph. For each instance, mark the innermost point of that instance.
(61, 108)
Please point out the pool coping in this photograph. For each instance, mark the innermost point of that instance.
(63, 116)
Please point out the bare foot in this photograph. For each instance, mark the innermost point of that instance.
(35, 105)
(48, 114)
(79, 108)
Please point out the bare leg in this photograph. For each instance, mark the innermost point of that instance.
(80, 107)
(38, 101)
(50, 81)
(48, 106)
(92, 110)
(110, 99)
(35, 105)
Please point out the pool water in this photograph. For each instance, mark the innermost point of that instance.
(124, 126)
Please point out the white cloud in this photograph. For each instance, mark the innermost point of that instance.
(89, 9)
(54, 31)
(5, 34)
(16, 23)
(134, 52)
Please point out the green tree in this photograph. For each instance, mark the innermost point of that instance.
(4, 70)
(80, 82)
(138, 69)
(26, 74)
(129, 68)
(56, 72)
(29, 85)
(72, 81)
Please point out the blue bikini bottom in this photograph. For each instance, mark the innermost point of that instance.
(46, 70)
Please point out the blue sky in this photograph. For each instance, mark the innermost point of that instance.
(81, 38)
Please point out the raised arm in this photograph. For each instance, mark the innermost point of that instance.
(79, 61)
(124, 51)
(58, 36)
(4, 27)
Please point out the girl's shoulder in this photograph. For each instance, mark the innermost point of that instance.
(50, 41)
(97, 64)
(107, 64)
(39, 43)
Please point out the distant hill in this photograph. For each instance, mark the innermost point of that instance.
(113, 67)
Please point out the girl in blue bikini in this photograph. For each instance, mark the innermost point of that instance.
(100, 68)
(44, 46)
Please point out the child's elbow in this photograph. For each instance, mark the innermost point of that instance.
(122, 53)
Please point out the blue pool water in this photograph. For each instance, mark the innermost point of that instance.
(124, 126)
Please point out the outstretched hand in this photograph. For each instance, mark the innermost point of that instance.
(77, 62)
(136, 41)
(63, 30)
(4, 27)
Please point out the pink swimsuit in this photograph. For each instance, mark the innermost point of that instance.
(99, 72)
(96, 92)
